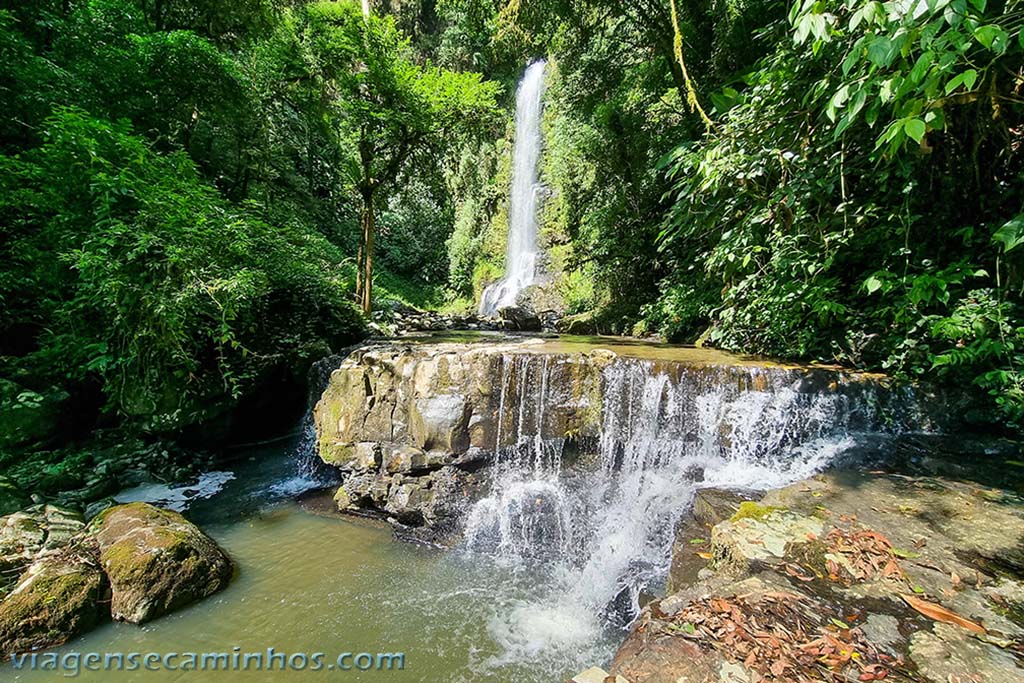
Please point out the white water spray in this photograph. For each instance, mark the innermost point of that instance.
(593, 538)
(521, 249)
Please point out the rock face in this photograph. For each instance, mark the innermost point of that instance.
(410, 425)
(156, 561)
(920, 578)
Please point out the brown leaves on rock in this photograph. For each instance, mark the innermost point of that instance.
(937, 612)
(855, 556)
(781, 637)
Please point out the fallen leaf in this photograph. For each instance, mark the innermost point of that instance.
(939, 613)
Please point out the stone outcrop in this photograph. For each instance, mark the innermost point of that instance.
(410, 425)
(921, 577)
(156, 561)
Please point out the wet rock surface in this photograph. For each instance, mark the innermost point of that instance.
(413, 425)
(846, 576)
(59, 596)
(410, 426)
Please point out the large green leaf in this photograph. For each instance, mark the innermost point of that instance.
(1011, 235)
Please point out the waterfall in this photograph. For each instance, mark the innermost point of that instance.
(521, 249)
(595, 535)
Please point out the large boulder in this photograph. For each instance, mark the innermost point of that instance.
(60, 596)
(156, 560)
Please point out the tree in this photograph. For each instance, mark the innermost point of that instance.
(385, 106)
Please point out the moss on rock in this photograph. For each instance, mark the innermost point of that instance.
(750, 509)
(156, 560)
(58, 597)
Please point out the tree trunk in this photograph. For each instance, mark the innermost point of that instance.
(359, 259)
(366, 265)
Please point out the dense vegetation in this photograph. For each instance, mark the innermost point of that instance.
(196, 195)
(835, 180)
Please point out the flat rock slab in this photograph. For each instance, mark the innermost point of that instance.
(156, 561)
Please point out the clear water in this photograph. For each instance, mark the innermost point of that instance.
(307, 582)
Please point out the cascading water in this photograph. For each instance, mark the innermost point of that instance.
(591, 538)
(521, 249)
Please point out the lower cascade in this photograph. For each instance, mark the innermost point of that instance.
(572, 468)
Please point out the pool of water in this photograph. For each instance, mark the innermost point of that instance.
(307, 582)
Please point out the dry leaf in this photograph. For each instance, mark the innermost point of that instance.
(939, 613)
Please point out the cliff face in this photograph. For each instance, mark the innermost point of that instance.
(450, 402)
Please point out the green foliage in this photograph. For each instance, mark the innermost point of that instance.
(142, 278)
(857, 194)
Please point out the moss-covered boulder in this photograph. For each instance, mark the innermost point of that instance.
(156, 561)
(58, 597)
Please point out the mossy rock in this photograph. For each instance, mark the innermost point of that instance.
(750, 509)
(57, 598)
(156, 561)
(28, 533)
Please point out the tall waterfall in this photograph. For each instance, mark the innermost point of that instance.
(521, 249)
(592, 537)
